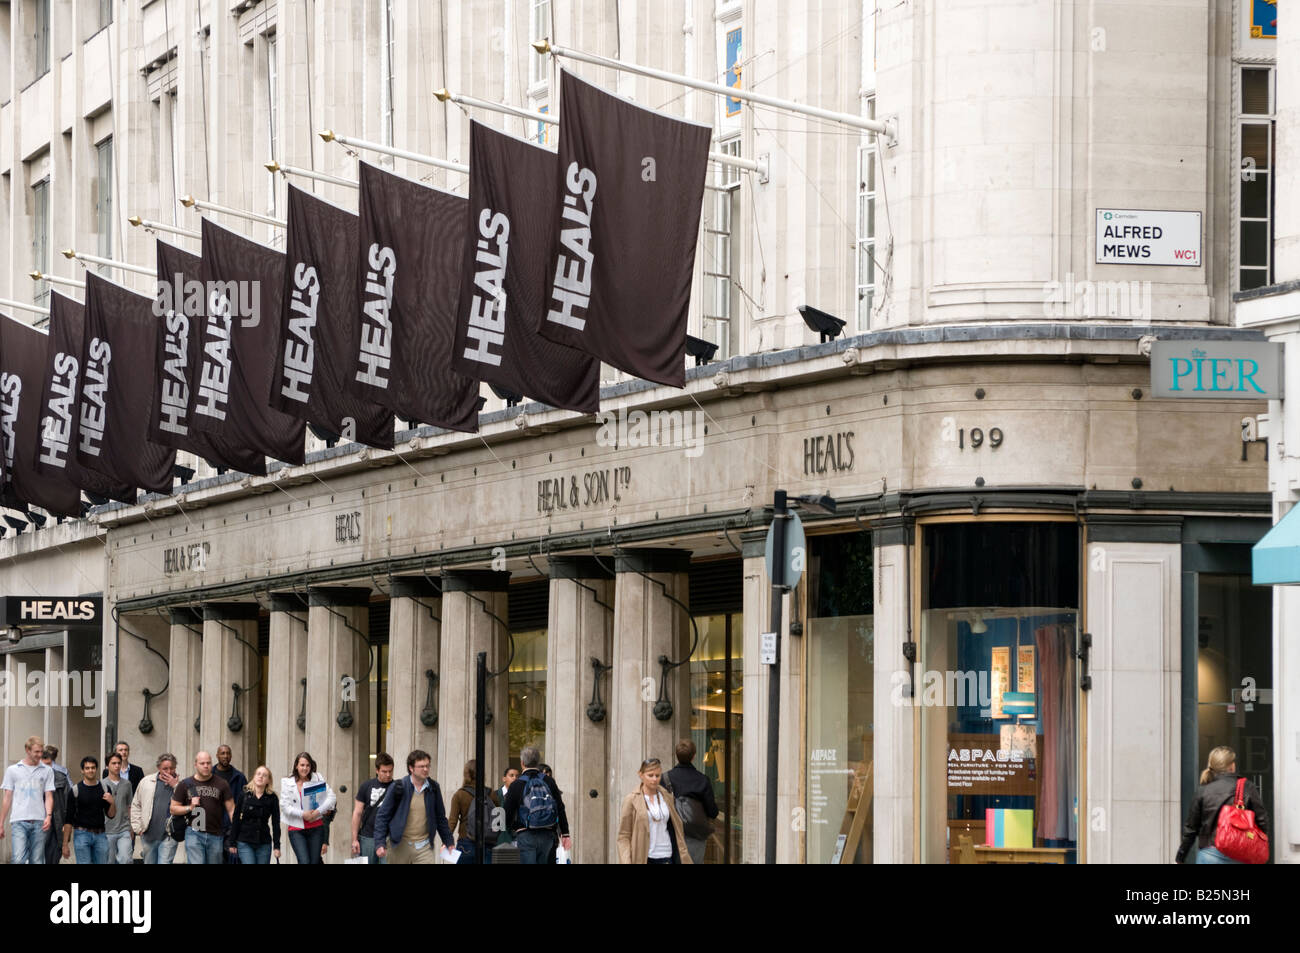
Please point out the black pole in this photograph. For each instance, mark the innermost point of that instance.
(779, 512)
(480, 754)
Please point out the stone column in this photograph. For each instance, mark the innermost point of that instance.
(580, 629)
(758, 591)
(140, 668)
(185, 662)
(414, 636)
(468, 596)
(647, 625)
(286, 668)
(337, 660)
(230, 658)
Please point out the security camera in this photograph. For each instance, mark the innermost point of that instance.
(14, 634)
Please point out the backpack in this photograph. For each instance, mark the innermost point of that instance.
(694, 824)
(537, 808)
(471, 819)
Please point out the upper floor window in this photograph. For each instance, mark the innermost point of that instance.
(539, 28)
(272, 115)
(1257, 133)
(41, 237)
(42, 16)
(719, 257)
(865, 270)
(104, 199)
(389, 56)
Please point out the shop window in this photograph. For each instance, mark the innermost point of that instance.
(528, 693)
(840, 698)
(717, 714)
(1234, 675)
(381, 716)
(1257, 133)
(998, 689)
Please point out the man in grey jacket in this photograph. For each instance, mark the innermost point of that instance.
(151, 809)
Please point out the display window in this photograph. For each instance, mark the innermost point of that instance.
(717, 716)
(527, 693)
(839, 702)
(998, 690)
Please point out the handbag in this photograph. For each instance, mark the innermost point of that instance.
(1237, 836)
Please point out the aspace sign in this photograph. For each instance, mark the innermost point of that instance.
(1241, 370)
(52, 610)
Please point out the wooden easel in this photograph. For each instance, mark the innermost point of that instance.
(855, 815)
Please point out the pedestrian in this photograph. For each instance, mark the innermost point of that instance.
(508, 777)
(369, 797)
(151, 810)
(304, 798)
(236, 781)
(693, 797)
(411, 813)
(643, 828)
(132, 772)
(62, 791)
(547, 772)
(463, 818)
(256, 809)
(1218, 789)
(89, 807)
(118, 830)
(534, 809)
(204, 797)
(29, 790)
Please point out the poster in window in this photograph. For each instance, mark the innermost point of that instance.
(733, 69)
(999, 679)
(1025, 669)
(1263, 19)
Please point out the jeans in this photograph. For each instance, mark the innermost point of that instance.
(469, 852)
(29, 842)
(1211, 855)
(307, 843)
(254, 853)
(119, 847)
(91, 847)
(535, 847)
(368, 846)
(203, 848)
(160, 851)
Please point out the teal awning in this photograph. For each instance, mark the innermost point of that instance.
(1275, 560)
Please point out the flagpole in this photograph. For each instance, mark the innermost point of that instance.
(273, 167)
(329, 135)
(138, 222)
(190, 201)
(34, 308)
(722, 158)
(55, 279)
(111, 263)
(885, 127)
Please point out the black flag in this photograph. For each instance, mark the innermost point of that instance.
(410, 254)
(60, 430)
(619, 279)
(318, 322)
(243, 282)
(182, 305)
(24, 354)
(117, 388)
(505, 279)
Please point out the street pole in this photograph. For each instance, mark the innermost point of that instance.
(480, 754)
(779, 516)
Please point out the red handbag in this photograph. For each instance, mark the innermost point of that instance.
(1237, 836)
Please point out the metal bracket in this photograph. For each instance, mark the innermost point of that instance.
(1084, 654)
(235, 723)
(429, 713)
(764, 168)
(596, 710)
(302, 713)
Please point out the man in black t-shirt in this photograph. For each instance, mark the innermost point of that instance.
(369, 797)
(89, 805)
(203, 796)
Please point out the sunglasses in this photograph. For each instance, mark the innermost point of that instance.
(649, 762)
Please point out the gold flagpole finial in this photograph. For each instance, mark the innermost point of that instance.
(328, 135)
(35, 275)
(69, 253)
(273, 166)
(136, 221)
(542, 46)
(442, 95)
(187, 201)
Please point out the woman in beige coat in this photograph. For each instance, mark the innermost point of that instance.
(649, 830)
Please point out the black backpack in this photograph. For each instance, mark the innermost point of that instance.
(471, 819)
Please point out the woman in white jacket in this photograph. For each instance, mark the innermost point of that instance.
(305, 821)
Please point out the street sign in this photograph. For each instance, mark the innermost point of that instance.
(767, 648)
(796, 549)
(1217, 370)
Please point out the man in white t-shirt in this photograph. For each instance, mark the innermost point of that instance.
(29, 789)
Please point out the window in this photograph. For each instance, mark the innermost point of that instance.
(41, 236)
(543, 128)
(272, 117)
(527, 693)
(717, 716)
(105, 13)
(174, 139)
(1257, 130)
(540, 28)
(719, 262)
(389, 42)
(733, 69)
(104, 199)
(42, 12)
(865, 271)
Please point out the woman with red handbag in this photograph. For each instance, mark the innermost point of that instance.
(1227, 819)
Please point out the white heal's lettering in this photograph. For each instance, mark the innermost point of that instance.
(57, 432)
(572, 288)
(376, 325)
(214, 381)
(175, 396)
(93, 410)
(11, 389)
(299, 351)
(487, 309)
